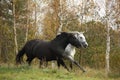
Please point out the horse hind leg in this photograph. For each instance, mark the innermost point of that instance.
(40, 64)
(58, 64)
(43, 63)
(29, 60)
(79, 66)
(76, 63)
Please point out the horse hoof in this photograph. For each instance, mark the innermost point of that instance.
(84, 71)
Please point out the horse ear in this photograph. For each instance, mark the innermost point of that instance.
(63, 32)
(58, 33)
(82, 32)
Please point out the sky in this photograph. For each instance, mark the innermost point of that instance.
(101, 9)
(101, 4)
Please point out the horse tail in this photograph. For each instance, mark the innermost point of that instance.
(19, 56)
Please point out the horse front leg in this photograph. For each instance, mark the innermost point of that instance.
(43, 63)
(60, 61)
(71, 65)
(75, 62)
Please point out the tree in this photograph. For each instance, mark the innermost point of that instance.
(107, 48)
(14, 28)
(61, 14)
(109, 16)
(27, 24)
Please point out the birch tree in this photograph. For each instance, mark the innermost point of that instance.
(35, 13)
(60, 14)
(107, 48)
(14, 29)
(27, 24)
(110, 13)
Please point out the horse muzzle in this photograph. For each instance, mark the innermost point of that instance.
(84, 44)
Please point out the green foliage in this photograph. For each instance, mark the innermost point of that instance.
(6, 41)
(6, 28)
(6, 11)
(96, 38)
(21, 11)
(115, 52)
(50, 26)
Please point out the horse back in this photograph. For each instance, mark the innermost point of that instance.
(42, 49)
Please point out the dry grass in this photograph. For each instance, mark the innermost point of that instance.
(34, 73)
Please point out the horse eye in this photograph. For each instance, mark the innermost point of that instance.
(80, 37)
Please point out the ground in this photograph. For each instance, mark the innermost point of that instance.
(34, 73)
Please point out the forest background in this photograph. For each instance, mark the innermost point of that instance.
(23, 20)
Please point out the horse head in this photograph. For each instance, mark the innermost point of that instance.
(77, 39)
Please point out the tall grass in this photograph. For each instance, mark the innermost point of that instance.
(34, 73)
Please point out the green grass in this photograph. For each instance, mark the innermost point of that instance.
(34, 73)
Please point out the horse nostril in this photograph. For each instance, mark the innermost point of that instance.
(85, 45)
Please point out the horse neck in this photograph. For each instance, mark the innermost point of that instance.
(71, 46)
(72, 50)
(60, 42)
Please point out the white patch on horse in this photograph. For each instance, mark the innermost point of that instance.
(70, 50)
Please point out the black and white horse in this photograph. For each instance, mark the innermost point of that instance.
(52, 50)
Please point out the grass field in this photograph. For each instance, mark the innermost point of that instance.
(34, 73)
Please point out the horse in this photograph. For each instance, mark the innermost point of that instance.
(70, 49)
(52, 50)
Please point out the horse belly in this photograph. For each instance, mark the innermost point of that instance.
(44, 54)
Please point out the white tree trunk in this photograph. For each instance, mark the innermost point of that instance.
(60, 27)
(27, 24)
(35, 14)
(107, 49)
(60, 16)
(26, 33)
(14, 29)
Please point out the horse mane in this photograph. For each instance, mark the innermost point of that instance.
(62, 35)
